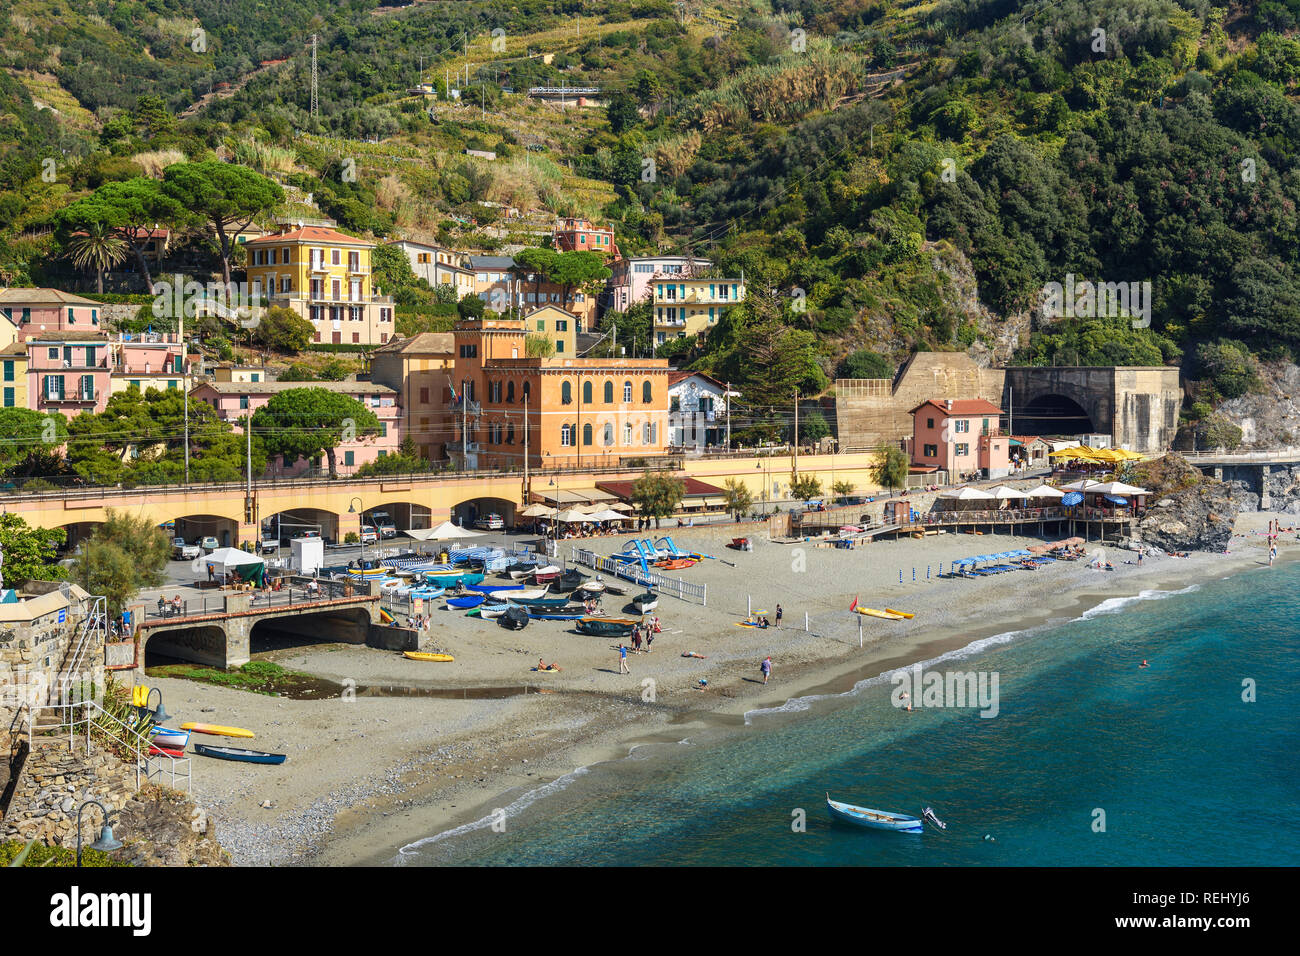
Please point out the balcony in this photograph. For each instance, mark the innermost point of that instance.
(75, 398)
(358, 270)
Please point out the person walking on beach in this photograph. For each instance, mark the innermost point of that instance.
(622, 660)
(766, 668)
(636, 640)
(649, 638)
(779, 613)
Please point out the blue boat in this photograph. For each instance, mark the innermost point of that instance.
(488, 588)
(873, 819)
(542, 602)
(452, 580)
(466, 602)
(234, 753)
(426, 593)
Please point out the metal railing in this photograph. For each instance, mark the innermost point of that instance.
(631, 571)
(93, 624)
(152, 764)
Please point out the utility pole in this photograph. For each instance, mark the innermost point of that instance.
(185, 384)
(527, 487)
(794, 466)
(727, 398)
(249, 511)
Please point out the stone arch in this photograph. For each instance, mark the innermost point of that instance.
(343, 625)
(198, 643)
(1049, 413)
(194, 527)
(468, 510)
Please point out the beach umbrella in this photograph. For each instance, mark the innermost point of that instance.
(538, 511)
(1006, 491)
(607, 515)
(1072, 499)
(1116, 499)
(1083, 484)
(1116, 488)
(571, 516)
(966, 494)
(622, 506)
(1044, 491)
(444, 532)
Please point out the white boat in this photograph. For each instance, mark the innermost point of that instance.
(528, 595)
(521, 575)
(491, 611)
(873, 819)
(591, 587)
(646, 601)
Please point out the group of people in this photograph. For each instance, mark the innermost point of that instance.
(643, 636)
(170, 608)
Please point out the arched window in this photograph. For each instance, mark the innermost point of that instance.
(586, 434)
(609, 393)
(510, 393)
(566, 435)
(627, 393)
(566, 393)
(627, 433)
(647, 393)
(586, 393)
(609, 433)
(526, 392)
(510, 435)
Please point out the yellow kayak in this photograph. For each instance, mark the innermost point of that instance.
(876, 612)
(900, 613)
(422, 656)
(216, 730)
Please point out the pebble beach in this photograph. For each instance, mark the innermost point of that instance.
(411, 749)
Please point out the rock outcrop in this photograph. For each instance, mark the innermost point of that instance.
(1199, 518)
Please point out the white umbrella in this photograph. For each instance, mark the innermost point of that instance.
(966, 494)
(1117, 488)
(1083, 484)
(538, 511)
(607, 515)
(444, 532)
(1044, 491)
(1006, 491)
(572, 515)
(622, 506)
(222, 559)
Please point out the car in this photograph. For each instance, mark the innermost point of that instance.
(209, 544)
(184, 552)
(268, 544)
(490, 522)
(383, 524)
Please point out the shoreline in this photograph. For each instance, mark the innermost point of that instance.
(493, 752)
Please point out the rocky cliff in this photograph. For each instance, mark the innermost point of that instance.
(1188, 511)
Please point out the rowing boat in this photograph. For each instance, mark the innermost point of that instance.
(217, 730)
(646, 601)
(234, 753)
(511, 594)
(167, 737)
(156, 751)
(466, 602)
(607, 626)
(423, 656)
(873, 819)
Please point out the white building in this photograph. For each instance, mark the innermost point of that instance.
(697, 410)
(436, 265)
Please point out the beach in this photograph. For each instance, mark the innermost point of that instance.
(371, 770)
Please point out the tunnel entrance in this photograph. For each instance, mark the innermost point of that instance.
(339, 626)
(1052, 415)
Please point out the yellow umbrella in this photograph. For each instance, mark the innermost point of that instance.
(1107, 454)
(1079, 451)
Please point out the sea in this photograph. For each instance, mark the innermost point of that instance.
(1090, 760)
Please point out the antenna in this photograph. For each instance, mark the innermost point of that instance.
(314, 76)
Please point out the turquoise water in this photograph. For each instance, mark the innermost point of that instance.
(1186, 772)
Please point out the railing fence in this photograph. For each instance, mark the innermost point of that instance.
(631, 571)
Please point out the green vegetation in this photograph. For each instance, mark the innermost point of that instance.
(805, 487)
(125, 554)
(657, 494)
(308, 422)
(739, 498)
(29, 552)
(891, 467)
(16, 853)
(259, 677)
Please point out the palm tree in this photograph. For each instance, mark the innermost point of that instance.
(98, 247)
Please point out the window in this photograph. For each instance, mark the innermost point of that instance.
(356, 337)
(9, 398)
(609, 435)
(243, 401)
(469, 351)
(645, 434)
(382, 453)
(566, 393)
(285, 258)
(986, 427)
(562, 325)
(929, 423)
(931, 451)
(54, 388)
(383, 429)
(961, 425)
(72, 317)
(647, 393)
(586, 434)
(510, 393)
(54, 353)
(349, 458)
(9, 370)
(586, 393)
(962, 450)
(424, 396)
(510, 434)
(627, 393)
(88, 388)
(566, 436)
(609, 393)
(559, 345)
(494, 392)
(334, 257)
(527, 390)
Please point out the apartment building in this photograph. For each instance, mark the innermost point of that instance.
(503, 288)
(633, 278)
(420, 369)
(579, 235)
(959, 436)
(150, 360)
(32, 312)
(437, 266)
(692, 306)
(13, 371)
(69, 373)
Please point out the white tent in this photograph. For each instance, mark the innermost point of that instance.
(966, 494)
(1006, 491)
(1044, 491)
(222, 560)
(1116, 488)
(1083, 484)
(444, 532)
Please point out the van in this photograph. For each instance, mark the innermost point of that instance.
(383, 524)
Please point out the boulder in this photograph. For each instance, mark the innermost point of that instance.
(1199, 518)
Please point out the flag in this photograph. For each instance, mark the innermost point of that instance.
(854, 605)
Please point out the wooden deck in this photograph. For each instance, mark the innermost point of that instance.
(1091, 524)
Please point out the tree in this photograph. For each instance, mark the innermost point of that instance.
(865, 364)
(25, 432)
(98, 247)
(621, 111)
(538, 263)
(739, 498)
(537, 345)
(29, 552)
(891, 466)
(579, 272)
(813, 427)
(284, 330)
(657, 494)
(306, 422)
(470, 306)
(130, 209)
(842, 489)
(126, 553)
(226, 196)
(805, 487)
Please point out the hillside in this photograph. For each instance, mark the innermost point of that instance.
(889, 176)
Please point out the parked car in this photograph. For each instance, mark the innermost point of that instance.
(209, 544)
(490, 522)
(384, 524)
(369, 536)
(268, 544)
(184, 552)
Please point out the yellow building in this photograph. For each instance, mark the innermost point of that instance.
(245, 374)
(685, 307)
(13, 365)
(420, 369)
(324, 276)
(556, 324)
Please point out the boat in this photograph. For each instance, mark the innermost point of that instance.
(375, 572)
(156, 751)
(646, 601)
(928, 815)
(234, 753)
(490, 588)
(875, 612)
(676, 564)
(491, 611)
(555, 614)
(510, 594)
(541, 602)
(569, 580)
(905, 614)
(521, 572)
(607, 626)
(618, 589)
(217, 730)
(467, 601)
(426, 594)
(591, 587)
(464, 578)
(873, 819)
(546, 575)
(514, 617)
(423, 656)
(167, 737)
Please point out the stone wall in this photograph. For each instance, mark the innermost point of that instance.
(30, 657)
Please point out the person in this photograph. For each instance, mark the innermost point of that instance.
(1144, 664)
(766, 668)
(177, 604)
(211, 574)
(702, 684)
(766, 623)
(655, 625)
(622, 660)
(636, 639)
(649, 638)
(779, 613)
(162, 605)
(1139, 559)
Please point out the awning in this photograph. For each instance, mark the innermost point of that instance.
(714, 501)
(561, 497)
(594, 494)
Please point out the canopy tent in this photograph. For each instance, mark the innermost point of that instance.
(247, 567)
(444, 532)
(1115, 488)
(1006, 491)
(1074, 451)
(1044, 491)
(966, 494)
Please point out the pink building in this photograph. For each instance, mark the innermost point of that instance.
(959, 436)
(633, 278)
(152, 360)
(235, 400)
(43, 311)
(69, 373)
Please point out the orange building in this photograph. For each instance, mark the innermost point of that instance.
(580, 411)
(959, 436)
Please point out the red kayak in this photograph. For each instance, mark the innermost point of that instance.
(156, 751)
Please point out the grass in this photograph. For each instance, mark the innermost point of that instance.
(259, 677)
(42, 855)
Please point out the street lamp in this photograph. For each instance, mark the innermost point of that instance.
(361, 526)
(106, 843)
(159, 715)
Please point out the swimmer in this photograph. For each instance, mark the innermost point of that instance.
(1144, 664)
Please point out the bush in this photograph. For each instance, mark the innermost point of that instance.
(865, 364)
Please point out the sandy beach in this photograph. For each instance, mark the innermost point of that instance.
(397, 756)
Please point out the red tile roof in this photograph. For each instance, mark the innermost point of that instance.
(960, 406)
(309, 234)
(694, 488)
